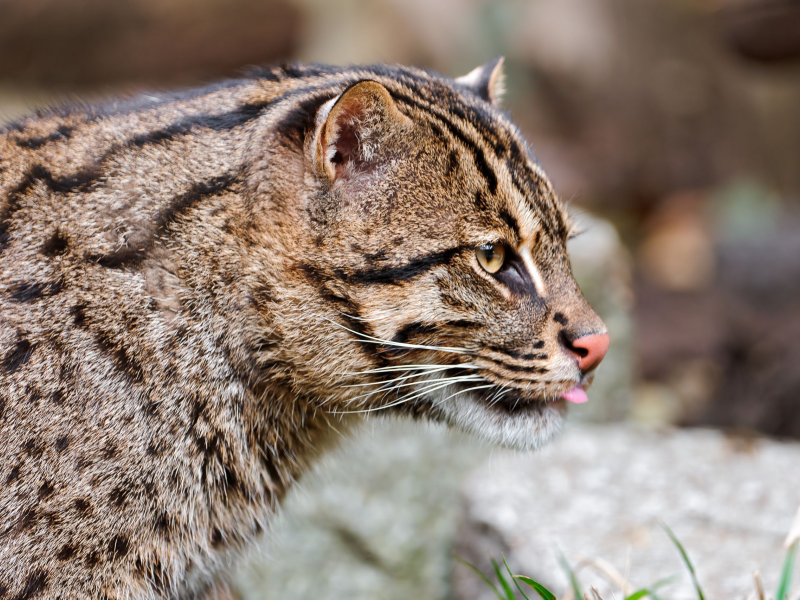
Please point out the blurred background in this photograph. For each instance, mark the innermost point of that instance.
(671, 126)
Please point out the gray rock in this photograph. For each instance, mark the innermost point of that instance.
(598, 492)
(375, 520)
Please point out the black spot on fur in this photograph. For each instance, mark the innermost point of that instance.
(231, 479)
(92, 559)
(63, 132)
(149, 489)
(17, 356)
(33, 395)
(57, 397)
(118, 496)
(152, 449)
(110, 451)
(33, 447)
(35, 584)
(46, 489)
(539, 344)
(28, 291)
(123, 360)
(62, 443)
(78, 313)
(27, 519)
(2, 406)
(481, 203)
(453, 161)
(55, 245)
(82, 505)
(11, 207)
(13, 475)
(560, 318)
(217, 538)
(118, 547)
(67, 551)
(162, 524)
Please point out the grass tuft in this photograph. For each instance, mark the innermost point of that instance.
(508, 593)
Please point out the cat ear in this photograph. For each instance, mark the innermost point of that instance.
(487, 81)
(351, 129)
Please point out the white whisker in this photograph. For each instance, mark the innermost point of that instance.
(470, 389)
(432, 387)
(368, 339)
(421, 367)
(411, 376)
(435, 382)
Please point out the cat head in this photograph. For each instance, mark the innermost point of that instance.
(442, 245)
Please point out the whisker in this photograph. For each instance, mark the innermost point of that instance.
(435, 382)
(426, 368)
(435, 385)
(470, 389)
(368, 339)
(411, 376)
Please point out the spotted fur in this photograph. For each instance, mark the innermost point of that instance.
(197, 288)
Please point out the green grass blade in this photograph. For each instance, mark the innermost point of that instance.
(686, 560)
(573, 580)
(483, 577)
(506, 587)
(514, 579)
(651, 591)
(543, 592)
(786, 573)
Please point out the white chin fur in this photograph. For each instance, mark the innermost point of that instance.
(522, 430)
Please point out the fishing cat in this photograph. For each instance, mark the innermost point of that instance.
(197, 288)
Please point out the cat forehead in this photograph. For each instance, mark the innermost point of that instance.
(485, 150)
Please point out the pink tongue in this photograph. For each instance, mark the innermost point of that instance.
(576, 395)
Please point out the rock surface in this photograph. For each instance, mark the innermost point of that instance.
(599, 492)
(375, 520)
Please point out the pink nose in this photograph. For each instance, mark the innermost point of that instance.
(589, 350)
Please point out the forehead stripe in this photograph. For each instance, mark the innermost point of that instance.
(478, 153)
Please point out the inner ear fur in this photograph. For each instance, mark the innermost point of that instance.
(352, 127)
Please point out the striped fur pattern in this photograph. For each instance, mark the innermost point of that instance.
(197, 288)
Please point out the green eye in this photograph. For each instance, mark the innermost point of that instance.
(491, 257)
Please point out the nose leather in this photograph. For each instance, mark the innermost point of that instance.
(590, 350)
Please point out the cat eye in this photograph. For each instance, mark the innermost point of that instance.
(491, 257)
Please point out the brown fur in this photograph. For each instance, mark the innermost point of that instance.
(192, 284)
